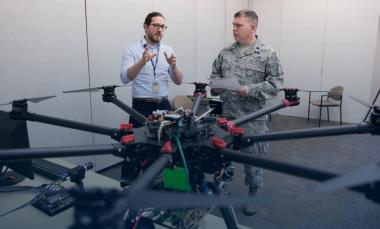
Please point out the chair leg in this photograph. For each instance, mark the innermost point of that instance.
(320, 116)
(340, 108)
(328, 114)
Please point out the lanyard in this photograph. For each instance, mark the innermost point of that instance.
(154, 64)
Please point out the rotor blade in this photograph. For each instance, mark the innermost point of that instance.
(94, 89)
(39, 99)
(3, 104)
(367, 174)
(275, 90)
(161, 199)
(304, 90)
(33, 100)
(170, 81)
(184, 82)
(359, 101)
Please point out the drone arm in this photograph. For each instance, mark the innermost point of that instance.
(307, 133)
(145, 180)
(113, 99)
(196, 103)
(249, 117)
(283, 167)
(277, 166)
(114, 133)
(69, 151)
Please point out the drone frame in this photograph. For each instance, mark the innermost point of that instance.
(228, 134)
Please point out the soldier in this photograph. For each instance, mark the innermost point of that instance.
(257, 67)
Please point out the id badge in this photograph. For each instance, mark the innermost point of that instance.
(156, 87)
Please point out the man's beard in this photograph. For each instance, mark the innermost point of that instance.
(153, 39)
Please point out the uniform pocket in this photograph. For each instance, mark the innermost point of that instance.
(226, 68)
(255, 72)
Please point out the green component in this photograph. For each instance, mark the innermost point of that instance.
(176, 179)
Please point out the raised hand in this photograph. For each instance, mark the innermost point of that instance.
(172, 60)
(147, 56)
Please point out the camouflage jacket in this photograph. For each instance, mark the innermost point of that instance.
(258, 67)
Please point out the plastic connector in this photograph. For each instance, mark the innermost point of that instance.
(218, 143)
(221, 121)
(130, 138)
(126, 126)
(167, 148)
(237, 131)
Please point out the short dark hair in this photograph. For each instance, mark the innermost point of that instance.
(250, 14)
(149, 17)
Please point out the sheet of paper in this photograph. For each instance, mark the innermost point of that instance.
(225, 83)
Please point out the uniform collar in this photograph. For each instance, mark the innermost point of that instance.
(254, 48)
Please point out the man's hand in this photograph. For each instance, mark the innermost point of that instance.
(135, 69)
(172, 60)
(147, 56)
(243, 91)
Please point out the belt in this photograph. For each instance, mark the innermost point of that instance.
(151, 100)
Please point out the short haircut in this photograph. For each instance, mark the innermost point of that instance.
(149, 17)
(250, 14)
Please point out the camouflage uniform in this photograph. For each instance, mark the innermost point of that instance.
(259, 68)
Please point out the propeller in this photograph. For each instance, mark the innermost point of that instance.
(362, 102)
(33, 100)
(189, 82)
(96, 89)
(367, 174)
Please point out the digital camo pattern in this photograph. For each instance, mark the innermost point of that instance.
(259, 68)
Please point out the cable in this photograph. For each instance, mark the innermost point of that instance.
(49, 187)
(162, 125)
(184, 164)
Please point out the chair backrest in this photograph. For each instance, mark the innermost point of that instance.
(182, 101)
(336, 93)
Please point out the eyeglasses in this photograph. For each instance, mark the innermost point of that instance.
(157, 26)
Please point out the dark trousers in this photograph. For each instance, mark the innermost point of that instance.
(146, 109)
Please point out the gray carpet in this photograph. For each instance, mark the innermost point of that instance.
(293, 203)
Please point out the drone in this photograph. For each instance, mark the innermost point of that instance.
(183, 145)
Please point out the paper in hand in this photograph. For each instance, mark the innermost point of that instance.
(225, 83)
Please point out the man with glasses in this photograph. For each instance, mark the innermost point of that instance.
(150, 65)
(257, 68)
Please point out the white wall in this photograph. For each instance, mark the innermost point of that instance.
(302, 40)
(43, 52)
(376, 70)
(351, 35)
(112, 26)
(323, 44)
